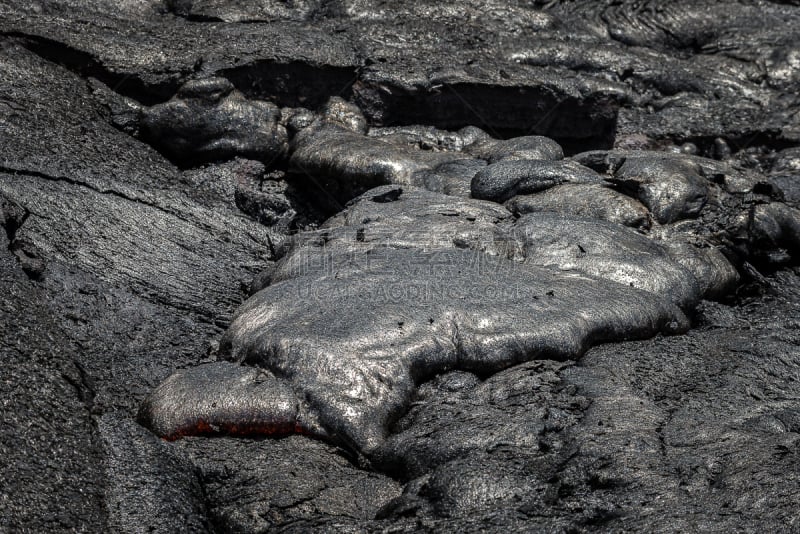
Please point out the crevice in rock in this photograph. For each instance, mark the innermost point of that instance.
(78, 183)
(12, 217)
(177, 8)
(79, 378)
(214, 522)
(503, 111)
(13, 222)
(292, 84)
(206, 19)
(712, 147)
(85, 66)
(323, 9)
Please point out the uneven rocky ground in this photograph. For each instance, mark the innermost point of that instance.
(629, 172)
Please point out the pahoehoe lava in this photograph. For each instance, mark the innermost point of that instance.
(367, 266)
(407, 283)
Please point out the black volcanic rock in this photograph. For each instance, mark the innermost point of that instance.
(534, 147)
(596, 201)
(502, 180)
(606, 251)
(671, 189)
(209, 120)
(359, 375)
(348, 163)
(385, 296)
(151, 180)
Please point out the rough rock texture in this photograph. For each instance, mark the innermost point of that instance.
(165, 162)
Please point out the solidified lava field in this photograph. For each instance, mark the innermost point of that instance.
(411, 266)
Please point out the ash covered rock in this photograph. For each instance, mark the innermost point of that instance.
(293, 481)
(136, 466)
(520, 408)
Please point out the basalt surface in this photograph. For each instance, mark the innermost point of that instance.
(408, 266)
